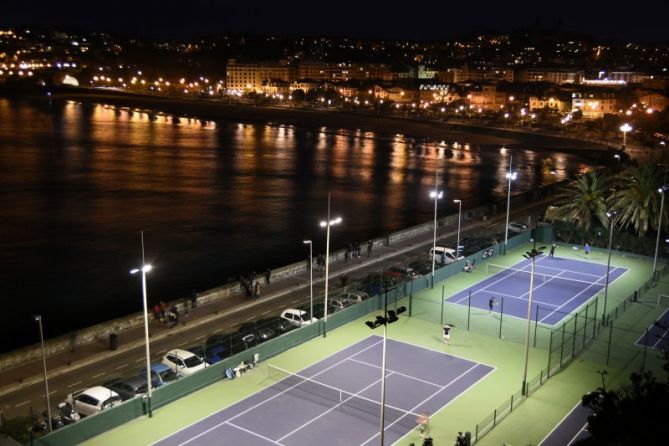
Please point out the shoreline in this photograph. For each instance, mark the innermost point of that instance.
(388, 126)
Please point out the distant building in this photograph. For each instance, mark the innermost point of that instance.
(247, 77)
(450, 76)
(486, 98)
(654, 100)
(594, 103)
(439, 93)
(487, 74)
(552, 76)
(558, 103)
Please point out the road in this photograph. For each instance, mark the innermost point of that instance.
(18, 395)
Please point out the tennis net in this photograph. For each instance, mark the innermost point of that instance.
(353, 403)
(565, 279)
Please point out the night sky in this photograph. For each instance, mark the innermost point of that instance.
(638, 21)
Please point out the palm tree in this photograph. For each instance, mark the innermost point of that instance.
(638, 199)
(584, 200)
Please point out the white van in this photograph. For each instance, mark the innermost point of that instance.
(443, 255)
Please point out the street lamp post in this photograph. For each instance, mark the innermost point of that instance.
(617, 157)
(457, 247)
(435, 195)
(311, 277)
(625, 128)
(389, 316)
(509, 176)
(506, 117)
(611, 216)
(661, 190)
(529, 255)
(327, 224)
(144, 269)
(38, 319)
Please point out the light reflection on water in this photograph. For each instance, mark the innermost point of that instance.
(215, 199)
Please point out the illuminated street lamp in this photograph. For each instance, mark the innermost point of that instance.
(511, 176)
(617, 156)
(611, 216)
(625, 128)
(661, 190)
(311, 277)
(38, 319)
(435, 195)
(457, 247)
(145, 269)
(327, 224)
(506, 117)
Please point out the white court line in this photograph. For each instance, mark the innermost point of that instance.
(575, 296)
(396, 373)
(98, 375)
(570, 271)
(559, 423)
(272, 397)
(121, 366)
(496, 281)
(413, 410)
(585, 426)
(332, 408)
(251, 432)
(74, 384)
(521, 298)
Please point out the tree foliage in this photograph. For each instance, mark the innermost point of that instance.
(584, 200)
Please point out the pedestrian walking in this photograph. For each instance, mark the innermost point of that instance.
(163, 310)
(370, 245)
(193, 298)
(447, 333)
(552, 252)
(156, 313)
(257, 289)
(268, 275)
(587, 250)
(491, 303)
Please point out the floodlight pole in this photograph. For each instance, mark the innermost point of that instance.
(38, 319)
(661, 190)
(311, 277)
(383, 369)
(610, 214)
(327, 225)
(529, 255)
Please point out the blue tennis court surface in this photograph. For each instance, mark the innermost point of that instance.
(572, 428)
(337, 400)
(560, 287)
(656, 336)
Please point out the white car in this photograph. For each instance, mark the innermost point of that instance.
(297, 317)
(517, 227)
(443, 255)
(93, 400)
(183, 362)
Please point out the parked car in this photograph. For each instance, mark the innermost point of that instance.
(374, 284)
(484, 245)
(260, 331)
(211, 355)
(127, 387)
(406, 272)
(93, 400)
(424, 267)
(319, 309)
(443, 255)
(278, 324)
(517, 227)
(339, 303)
(160, 374)
(297, 317)
(183, 362)
(356, 295)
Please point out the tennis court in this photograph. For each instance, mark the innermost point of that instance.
(337, 400)
(656, 335)
(560, 287)
(571, 429)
